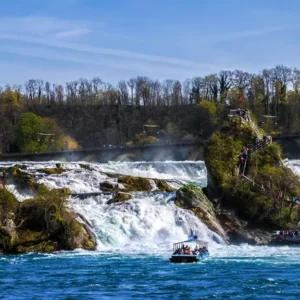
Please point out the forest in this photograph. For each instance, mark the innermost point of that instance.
(42, 116)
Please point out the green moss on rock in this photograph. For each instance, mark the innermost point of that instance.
(119, 197)
(85, 166)
(135, 184)
(52, 171)
(191, 197)
(163, 186)
(42, 247)
(8, 204)
(20, 177)
(42, 224)
(108, 186)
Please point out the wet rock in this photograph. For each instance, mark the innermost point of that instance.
(119, 197)
(18, 175)
(191, 197)
(85, 166)
(239, 231)
(108, 186)
(163, 186)
(52, 171)
(41, 224)
(135, 184)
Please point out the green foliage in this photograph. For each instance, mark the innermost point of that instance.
(264, 197)
(239, 130)
(221, 156)
(210, 107)
(259, 206)
(268, 156)
(28, 130)
(29, 138)
(145, 139)
(44, 212)
(11, 98)
(8, 204)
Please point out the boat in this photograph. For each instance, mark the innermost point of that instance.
(291, 237)
(198, 251)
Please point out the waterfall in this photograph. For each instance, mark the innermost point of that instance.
(149, 221)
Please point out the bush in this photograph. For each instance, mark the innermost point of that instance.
(145, 139)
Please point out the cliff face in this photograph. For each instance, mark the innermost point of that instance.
(259, 190)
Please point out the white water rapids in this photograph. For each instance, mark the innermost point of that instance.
(148, 222)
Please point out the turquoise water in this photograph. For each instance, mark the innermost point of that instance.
(257, 273)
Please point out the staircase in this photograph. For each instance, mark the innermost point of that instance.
(259, 145)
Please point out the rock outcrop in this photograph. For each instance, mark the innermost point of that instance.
(126, 183)
(119, 197)
(259, 196)
(41, 224)
(191, 197)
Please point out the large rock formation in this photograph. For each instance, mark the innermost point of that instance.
(261, 195)
(191, 197)
(41, 224)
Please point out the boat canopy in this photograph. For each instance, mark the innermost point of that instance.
(191, 239)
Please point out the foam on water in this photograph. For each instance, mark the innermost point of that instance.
(147, 223)
(295, 166)
(150, 222)
(184, 171)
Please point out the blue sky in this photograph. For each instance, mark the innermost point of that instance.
(63, 40)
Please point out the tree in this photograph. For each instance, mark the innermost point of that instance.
(131, 84)
(31, 130)
(123, 92)
(224, 80)
(241, 81)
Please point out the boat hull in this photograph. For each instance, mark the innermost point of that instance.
(187, 258)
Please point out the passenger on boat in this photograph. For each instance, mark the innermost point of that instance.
(186, 250)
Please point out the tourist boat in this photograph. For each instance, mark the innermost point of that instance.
(286, 238)
(195, 256)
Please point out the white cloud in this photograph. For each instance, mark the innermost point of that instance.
(98, 62)
(70, 33)
(42, 26)
(57, 43)
(250, 33)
